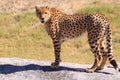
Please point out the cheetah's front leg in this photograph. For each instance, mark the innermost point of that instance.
(57, 49)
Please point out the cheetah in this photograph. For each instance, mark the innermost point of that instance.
(61, 26)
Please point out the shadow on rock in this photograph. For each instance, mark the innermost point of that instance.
(8, 68)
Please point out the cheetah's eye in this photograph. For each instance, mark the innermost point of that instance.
(45, 12)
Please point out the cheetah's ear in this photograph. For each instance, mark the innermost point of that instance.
(36, 7)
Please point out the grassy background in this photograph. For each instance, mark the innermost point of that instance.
(23, 36)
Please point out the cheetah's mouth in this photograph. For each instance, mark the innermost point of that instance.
(42, 21)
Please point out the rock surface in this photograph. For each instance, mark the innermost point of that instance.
(24, 69)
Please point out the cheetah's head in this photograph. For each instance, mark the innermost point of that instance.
(43, 13)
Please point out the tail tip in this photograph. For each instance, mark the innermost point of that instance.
(113, 62)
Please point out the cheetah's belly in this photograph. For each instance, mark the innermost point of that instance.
(72, 36)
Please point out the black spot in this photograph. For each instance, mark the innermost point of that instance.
(56, 42)
(108, 40)
(92, 46)
(92, 42)
(102, 48)
(104, 55)
(109, 49)
(58, 51)
(108, 45)
(110, 58)
(56, 45)
(95, 51)
(109, 55)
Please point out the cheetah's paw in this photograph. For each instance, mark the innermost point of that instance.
(89, 70)
(54, 66)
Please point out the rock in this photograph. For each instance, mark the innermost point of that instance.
(24, 69)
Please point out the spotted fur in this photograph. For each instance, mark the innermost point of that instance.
(61, 27)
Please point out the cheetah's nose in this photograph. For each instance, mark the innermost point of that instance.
(42, 20)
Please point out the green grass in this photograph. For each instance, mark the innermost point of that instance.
(23, 36)
(111, 11)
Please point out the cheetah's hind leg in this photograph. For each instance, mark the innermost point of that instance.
(98, 57)
(104, 55)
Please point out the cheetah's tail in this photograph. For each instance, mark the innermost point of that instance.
(109, 47)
